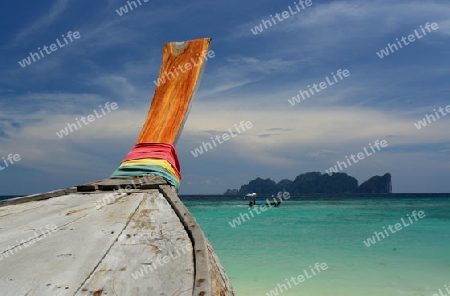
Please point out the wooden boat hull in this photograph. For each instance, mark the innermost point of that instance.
(102, 239)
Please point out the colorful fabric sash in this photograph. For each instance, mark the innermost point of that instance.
(151, 159)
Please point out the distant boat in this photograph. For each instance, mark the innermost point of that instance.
(250, 195)
(264, 203)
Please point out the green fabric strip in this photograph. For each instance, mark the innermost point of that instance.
(126, 172)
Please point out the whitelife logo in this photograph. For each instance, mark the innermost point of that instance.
(161, 261)
(121, 192)
(371, 240)
(281, 16)
(323, 85)
(184, 68)
(359, 155)
(124, 9)
(423, 123)
(440, 292)
(28, 242)
(319, 267)
(35, 56)
(12, 159)
(90, 118)
(411, 38)
(225, 137)
(244, 217)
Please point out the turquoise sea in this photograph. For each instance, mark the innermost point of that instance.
(282, 242)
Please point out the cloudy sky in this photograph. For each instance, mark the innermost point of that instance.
(251, 78)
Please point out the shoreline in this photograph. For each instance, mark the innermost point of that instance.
(313, 196)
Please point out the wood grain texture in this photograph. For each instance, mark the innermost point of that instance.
(153, 256)
(37, 197)
(210, 276)
(221, 284)
(172, 99)
(59, 263)
(94, 251)
(147, 182)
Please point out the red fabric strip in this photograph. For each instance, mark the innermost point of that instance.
(155, 150)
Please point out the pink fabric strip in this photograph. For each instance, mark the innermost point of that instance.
(155, 150)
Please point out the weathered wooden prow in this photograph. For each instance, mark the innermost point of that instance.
(179, 77)
(111, 237)
(121, 237)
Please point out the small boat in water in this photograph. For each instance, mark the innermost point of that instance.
(264, 203)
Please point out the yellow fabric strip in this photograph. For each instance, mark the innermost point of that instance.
(152, 161)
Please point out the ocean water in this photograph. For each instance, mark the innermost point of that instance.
(282, 242)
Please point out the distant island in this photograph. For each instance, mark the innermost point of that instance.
(316, 183)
